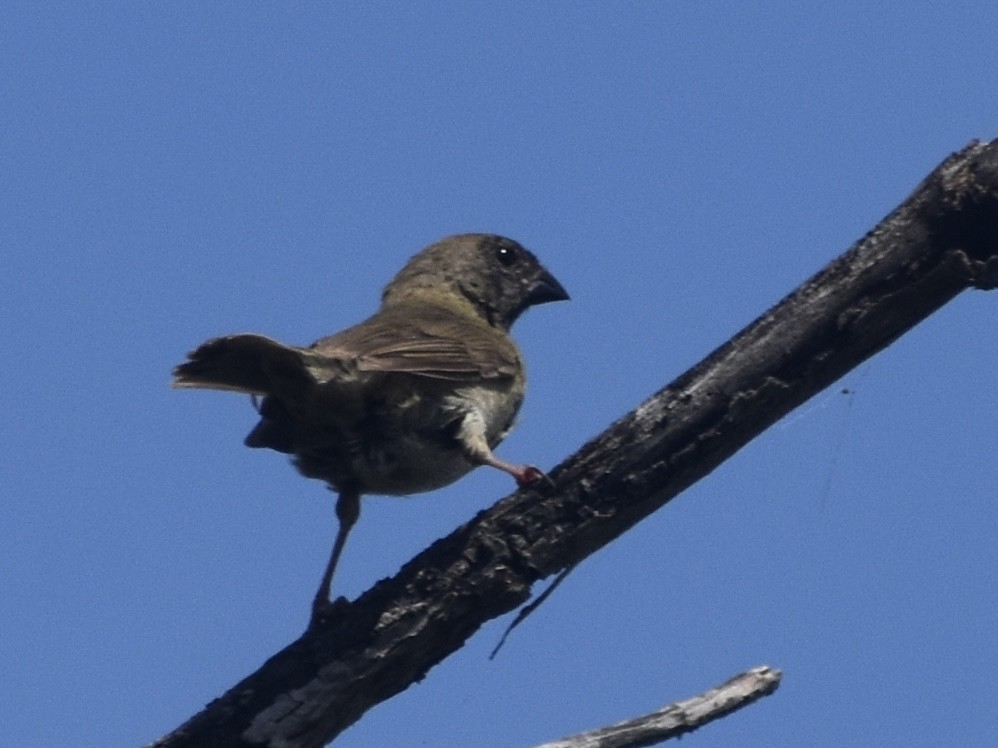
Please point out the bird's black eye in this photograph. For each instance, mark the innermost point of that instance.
(506, 256)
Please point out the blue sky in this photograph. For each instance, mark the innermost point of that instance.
(172, 172)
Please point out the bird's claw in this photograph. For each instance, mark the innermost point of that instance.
(324, 611)
(529, 475)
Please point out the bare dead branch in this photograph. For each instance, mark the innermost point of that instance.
(942, 240)
(682, 717)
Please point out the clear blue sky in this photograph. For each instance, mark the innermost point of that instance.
(175, 171)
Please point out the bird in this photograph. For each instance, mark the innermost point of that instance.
(407, 401)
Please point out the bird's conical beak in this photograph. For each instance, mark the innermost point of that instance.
(544, 289)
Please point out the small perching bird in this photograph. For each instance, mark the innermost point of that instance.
(407, 401)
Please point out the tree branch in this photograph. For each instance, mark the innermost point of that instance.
(682, 717)
(941, 240)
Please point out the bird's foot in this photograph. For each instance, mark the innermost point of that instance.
(525, 475)
(528, 475)
(325, 610)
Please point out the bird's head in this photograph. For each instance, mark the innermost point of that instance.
(497, 276)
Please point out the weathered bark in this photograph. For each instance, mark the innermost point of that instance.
(942, 240)
(681, 718)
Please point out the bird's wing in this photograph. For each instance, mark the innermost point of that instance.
(425, 341)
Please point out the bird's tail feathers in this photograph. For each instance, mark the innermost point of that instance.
(253, 364)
